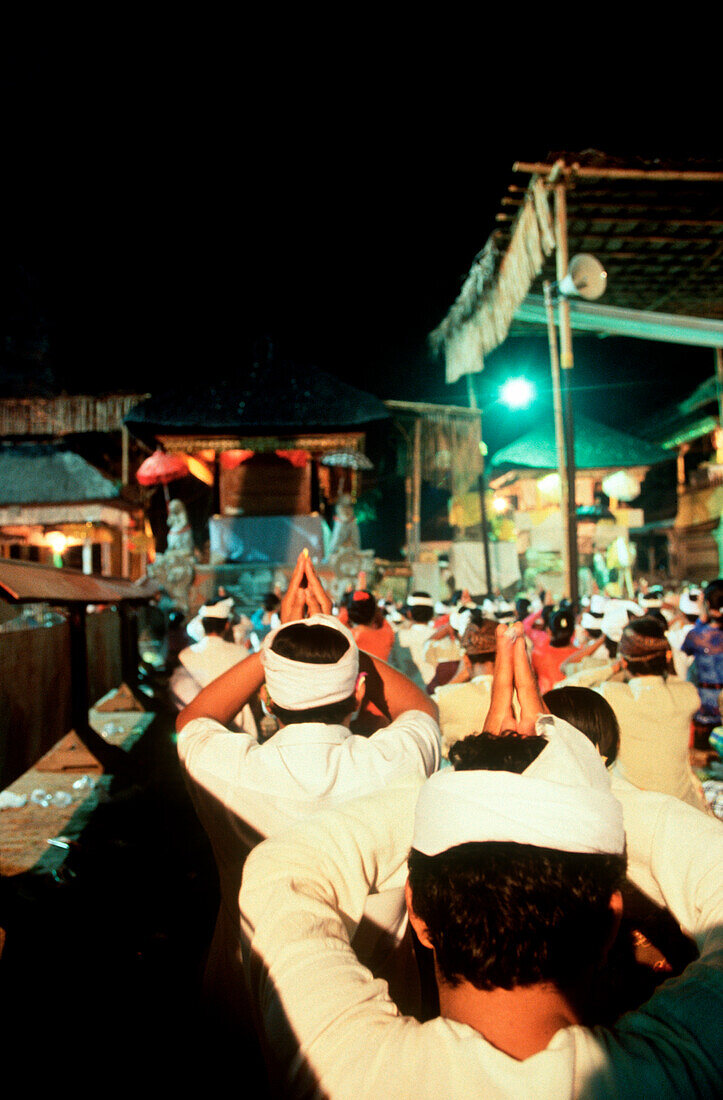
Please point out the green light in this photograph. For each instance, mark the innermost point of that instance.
(517, 393)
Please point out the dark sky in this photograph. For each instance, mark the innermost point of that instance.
(165, 214)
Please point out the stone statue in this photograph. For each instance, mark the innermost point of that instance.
(345, 556)
(175, 569)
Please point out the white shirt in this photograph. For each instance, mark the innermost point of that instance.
(654, 716)
(462, 708)
(203, 662)
(244, 791)
(342, 1035)
(681, 661)
(413, 638)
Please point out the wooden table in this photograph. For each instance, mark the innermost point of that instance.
(37, 836)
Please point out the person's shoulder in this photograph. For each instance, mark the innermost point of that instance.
(205, 730)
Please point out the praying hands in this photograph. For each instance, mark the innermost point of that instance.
(513, 674)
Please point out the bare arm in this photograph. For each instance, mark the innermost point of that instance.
(225, 696)
(390, 691)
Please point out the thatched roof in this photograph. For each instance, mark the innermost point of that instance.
(45, 473)
(684, 421)
(596, 447)
(656, 227)
(279, 399)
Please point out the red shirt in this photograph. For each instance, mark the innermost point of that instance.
(546, 661)
(375, 640)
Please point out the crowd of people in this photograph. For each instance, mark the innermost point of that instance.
(464, 848)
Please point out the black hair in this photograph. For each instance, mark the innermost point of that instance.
(502, 915)
(522, 607)
(271, 601)
(713, 596)
(588, 712)
(315, 644)
(333, 714)
(423, 613)
(362, 610)
(213, 625)
(507, 752)
(561, 627)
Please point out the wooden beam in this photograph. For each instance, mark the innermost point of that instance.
(657, 175)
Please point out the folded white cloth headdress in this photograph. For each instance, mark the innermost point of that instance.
(562, 800)
(298, 685)
(616, 618)
(420, 601)
(690, 602)
(220, 610)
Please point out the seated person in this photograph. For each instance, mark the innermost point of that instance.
(407, 654)
(514, 879)
(464, 701)
(654, 709)
(371, 629)
(314, 680)
(205, 660)
(704, 643)
(548, 657)
(265, 619)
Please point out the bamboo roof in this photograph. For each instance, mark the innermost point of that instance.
(45, 473)
(687, 420)
(596, 447)
(656, 227)
(277, 399)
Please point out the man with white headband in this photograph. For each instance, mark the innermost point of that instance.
(314, 680)
(513, 882)
(211, 653)
(408, 651)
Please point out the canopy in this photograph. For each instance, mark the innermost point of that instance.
(266, 403)
(657, 228)
(596, 447)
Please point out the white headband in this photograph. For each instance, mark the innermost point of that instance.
(420, 601)
(220, 610)
(562, 801)
(690, 603)
(298, 685)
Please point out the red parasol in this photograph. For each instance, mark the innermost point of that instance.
(160, 468)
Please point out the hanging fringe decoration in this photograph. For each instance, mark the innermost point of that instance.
(480, 319)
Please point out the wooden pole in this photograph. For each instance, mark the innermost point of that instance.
(482, 495)
(659, 175)
(417, 488)
(559, 426)
(566, 363)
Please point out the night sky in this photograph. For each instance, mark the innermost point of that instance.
(164, 217)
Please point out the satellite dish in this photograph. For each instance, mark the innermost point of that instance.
(586, 278)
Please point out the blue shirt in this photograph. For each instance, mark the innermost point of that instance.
(704, 642)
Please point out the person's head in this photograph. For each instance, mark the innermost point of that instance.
(479, 639)
(312, 672)
(362, 608)
(713, 597)
(616, 616)
(522, 607)
(561, 627)
(691, 604)
(214, 625)
(590, 713)
(644, 647)
(215, 617)
(271, 602)
(514, 876)
(420, 607)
